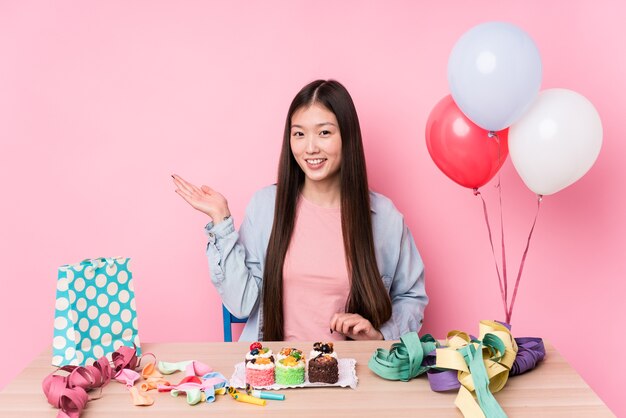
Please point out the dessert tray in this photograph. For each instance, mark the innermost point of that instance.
(347, 377)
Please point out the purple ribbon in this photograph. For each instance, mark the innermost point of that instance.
(440, 380)
(443, 380)
(530, 352)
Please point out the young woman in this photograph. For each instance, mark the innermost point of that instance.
(318, 256)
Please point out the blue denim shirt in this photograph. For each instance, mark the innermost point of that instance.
(236, 262)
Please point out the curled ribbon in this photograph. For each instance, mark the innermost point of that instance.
(69, 393)
(478, 367)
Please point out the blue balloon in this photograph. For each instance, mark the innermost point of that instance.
(494, 74)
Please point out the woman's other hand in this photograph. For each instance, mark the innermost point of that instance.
(204, 199)
(354, 326)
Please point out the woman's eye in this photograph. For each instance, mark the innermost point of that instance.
(297, 134)
(325, 133)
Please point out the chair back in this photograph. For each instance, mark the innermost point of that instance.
(230, 319)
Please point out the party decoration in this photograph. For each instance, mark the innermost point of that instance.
(68, 390)
(494, 74)
(477, 367)
(95, 311)
(556, 142)
(466, 153)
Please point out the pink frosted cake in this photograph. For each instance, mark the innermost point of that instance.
(260, 366)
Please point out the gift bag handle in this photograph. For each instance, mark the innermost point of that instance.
(93, 262)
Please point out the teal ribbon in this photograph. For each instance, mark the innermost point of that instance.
(474, 358)
(404, 360)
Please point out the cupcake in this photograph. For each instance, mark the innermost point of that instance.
(290, 367)
(259, 366)
(323, 366)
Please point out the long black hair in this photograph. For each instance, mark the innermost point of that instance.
(368, 296)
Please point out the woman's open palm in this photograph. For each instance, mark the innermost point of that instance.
(203, 198)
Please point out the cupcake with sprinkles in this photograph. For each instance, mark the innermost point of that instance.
(290, 367)
(260, 366)
(323, 366)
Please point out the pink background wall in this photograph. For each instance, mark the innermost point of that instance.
(101, 101)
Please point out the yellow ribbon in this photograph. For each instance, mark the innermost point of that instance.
(497, 364)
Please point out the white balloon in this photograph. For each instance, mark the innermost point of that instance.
(494, 74)
(556, 142)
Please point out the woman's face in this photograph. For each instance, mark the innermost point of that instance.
(316, 143)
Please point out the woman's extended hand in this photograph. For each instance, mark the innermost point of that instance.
(204, 199)
(354, 326)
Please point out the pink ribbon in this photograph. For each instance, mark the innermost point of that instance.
(69, 393)
(502, 279)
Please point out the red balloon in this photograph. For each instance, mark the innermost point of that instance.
(461, 149)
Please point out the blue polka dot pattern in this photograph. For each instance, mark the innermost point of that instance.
(95, 311)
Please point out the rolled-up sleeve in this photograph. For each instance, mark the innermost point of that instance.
(235, 263)
(407, 291)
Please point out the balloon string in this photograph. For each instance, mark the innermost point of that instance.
(504, 276)
(493, 134)
(521, 267)
(493, 251)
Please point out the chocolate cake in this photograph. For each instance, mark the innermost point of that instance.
(323, 366)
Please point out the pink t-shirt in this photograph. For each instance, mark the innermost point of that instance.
(315, 275)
